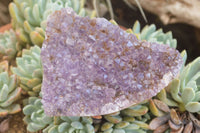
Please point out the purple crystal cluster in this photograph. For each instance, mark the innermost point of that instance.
(92, 67)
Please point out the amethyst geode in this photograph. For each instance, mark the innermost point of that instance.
(92, 67)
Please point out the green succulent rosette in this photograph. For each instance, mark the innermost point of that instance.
(29, 17)
(151, 34)
(186, 89)
(29, 70)
(36, 120)
(65, 124)
(35, 117)
(9, 94)
(131, 120)
(8, 45)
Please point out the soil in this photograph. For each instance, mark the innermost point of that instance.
(4, 13)
(16, 124)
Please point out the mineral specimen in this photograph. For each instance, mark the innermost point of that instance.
(92, 67)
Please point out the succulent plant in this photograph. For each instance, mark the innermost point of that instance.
(9, 94)
(36, 120)
(177, 106)
(150, 34)
(130, 120)
(184, 92)
(35, 117)
(29, 17)
(29, 70)
(189, 89)
(65, 124)
(8, 45)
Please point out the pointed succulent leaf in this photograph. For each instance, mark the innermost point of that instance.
(63, 127)
(106, 126)
(65, 118)
(141, 124)
(113, 119)
(33, 127)
(29, 70)
(33, 82)
(29, 109)
(122, 124)
(28, 27)
(87, 120)
(36, 38)
(162, 95)
(4, 77)
(135, 110)
(192, 84)
(14, 12)
(136, 27)
(174, 87)
(188, 95)
(12, 83)
(132, 126)
(4, 93)
(53, 129)
(147, 31)
(12, 109)
(128, 119)
(12, 97)
(193, 69)
(77, 125)
(184, 56)
(193, 107)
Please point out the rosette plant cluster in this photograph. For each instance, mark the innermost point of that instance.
(29, 70)
(133, 119)
(29, 17)
(177, 106)
(36, 120)
(8, 45)
(9, 91)
(150, 34)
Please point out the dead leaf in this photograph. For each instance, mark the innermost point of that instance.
(161, 128)
(4, 125)
(188, 128)
(173, 126)
(158, 121)
(161, 105)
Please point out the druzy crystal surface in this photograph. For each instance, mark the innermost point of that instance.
(92, 67)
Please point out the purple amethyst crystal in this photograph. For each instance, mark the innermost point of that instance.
(92, 67)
